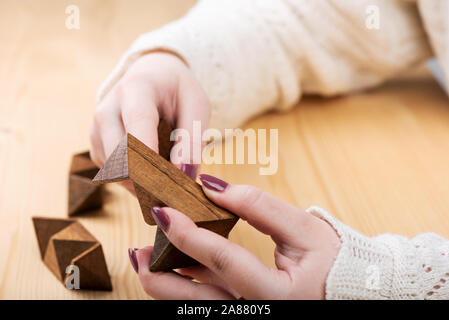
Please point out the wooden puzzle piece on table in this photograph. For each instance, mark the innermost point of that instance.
(65, 242)
(159, 183)
(83, 194)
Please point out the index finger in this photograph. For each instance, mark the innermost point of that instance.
(140, 114)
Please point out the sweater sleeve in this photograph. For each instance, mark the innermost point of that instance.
(251, 56)
(387, 266)
(435, 16)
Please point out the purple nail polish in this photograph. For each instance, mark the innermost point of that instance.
(213, 183)
(161, 218)
(133, 259)
(190, 170)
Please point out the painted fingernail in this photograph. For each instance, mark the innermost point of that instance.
(162, 220)
(133, 259)
(213, 183)
(190, 170)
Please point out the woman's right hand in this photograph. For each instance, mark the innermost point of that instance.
(306, 248)
(158, 85)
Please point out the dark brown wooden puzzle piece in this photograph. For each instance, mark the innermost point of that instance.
(158, 182)
(83, 194)
(65, 242)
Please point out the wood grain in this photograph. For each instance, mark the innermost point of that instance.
(377, 159)
(158, 182)
(171, 186)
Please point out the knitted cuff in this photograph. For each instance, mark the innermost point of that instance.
(384, 267)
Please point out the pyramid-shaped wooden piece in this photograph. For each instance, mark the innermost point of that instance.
(89, 267)
(158, 182)
(83, 194)
(166, 254)
(64, 243)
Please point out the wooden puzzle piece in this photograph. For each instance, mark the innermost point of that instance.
(158, 182)
(65, 242)
(83, 194)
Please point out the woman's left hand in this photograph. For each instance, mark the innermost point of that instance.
(306, 247)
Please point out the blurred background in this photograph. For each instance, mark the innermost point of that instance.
(378, 159)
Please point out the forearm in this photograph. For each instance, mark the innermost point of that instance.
(233, 52)
(254, 55)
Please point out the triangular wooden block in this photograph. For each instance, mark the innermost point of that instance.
(65, 242)
(65, 251)
(83, 194)
(116, 166)
(74, 232)
(92, 266)
(45, 228)
(158, 182)
(165, 254)
(147, 201)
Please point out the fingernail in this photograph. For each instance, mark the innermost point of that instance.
(161, 218)
(190, 170)
(213, 183)
(133, 259)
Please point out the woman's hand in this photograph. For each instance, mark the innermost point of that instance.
(158, 85)
(305, 251)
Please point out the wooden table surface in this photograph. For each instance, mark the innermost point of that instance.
(379, 160)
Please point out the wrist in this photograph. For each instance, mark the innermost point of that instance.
(363, 267)
(165, 57)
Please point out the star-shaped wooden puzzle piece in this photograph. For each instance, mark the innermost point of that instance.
(159, 183)
(65, 242)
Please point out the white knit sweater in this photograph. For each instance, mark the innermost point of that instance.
(255, 55)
